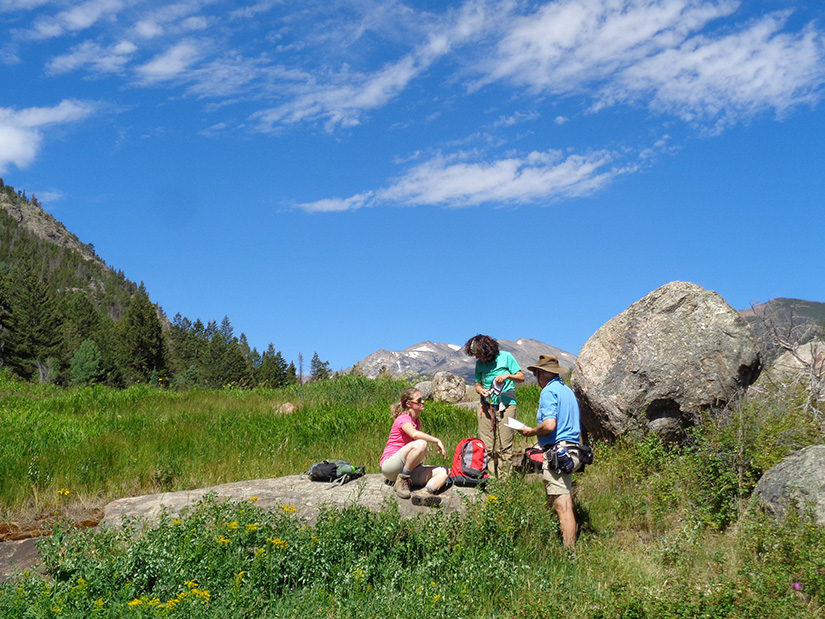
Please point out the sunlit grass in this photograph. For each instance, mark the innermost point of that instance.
(649, 545)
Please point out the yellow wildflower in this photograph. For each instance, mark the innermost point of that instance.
(224, 540)
(201, 593)
(250, 528)
(232, 525)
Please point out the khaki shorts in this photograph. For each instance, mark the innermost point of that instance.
(558, 483)
(395, 464)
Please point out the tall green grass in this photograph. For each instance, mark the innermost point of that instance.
(100, 443)
(664, 531)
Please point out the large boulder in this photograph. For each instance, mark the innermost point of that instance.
(426, 389)
(448, 387)
(807, 361)
(658, 364)
(799, 479)
(305, 498)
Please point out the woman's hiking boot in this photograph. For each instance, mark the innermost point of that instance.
(403, 488)
(425, 498)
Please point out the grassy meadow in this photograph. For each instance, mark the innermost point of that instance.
(664, 531)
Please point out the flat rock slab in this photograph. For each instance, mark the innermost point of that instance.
(17, 556)
(307, 497)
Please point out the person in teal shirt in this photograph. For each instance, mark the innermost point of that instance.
(496, 373)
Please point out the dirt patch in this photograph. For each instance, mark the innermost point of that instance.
(18, 547)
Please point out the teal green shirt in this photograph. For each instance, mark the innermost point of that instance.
(486, 371)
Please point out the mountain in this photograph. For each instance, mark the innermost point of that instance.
(426, 358)
(793, 319)
(32, 239)
(31, 217)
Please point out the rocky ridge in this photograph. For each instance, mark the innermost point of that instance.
(36, 220)
(428, 358)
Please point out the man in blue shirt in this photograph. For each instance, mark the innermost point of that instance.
(558, 426)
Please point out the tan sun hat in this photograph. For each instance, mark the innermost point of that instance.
(548, 363)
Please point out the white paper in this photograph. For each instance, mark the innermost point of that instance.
(514, 423)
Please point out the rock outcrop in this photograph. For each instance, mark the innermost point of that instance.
(658, 364)
(297, 491)
(799, 479)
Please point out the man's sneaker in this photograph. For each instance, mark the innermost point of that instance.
(402, 487)
(425, 499)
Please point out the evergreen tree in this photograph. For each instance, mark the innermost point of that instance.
(291, 374)
(224, 363)
(186, 350)
(273, 371)
(87, 365)
(81, 321)
(3, 316)
(139, 339)
(32, 322)
(319, 370)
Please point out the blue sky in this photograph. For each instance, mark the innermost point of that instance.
(339, 177)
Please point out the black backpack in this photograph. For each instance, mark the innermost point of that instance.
(338, 471)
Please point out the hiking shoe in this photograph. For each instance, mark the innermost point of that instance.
(425, 499)
(402, 487)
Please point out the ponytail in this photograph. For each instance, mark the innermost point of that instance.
(400, 407)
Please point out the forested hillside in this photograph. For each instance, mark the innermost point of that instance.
(68, 318)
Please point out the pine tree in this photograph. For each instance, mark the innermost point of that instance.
(273, 371)
(87, 365)
(139, 339)
(32, 324)
(319, 370)
(224, 363)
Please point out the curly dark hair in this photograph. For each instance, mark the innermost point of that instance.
(483, 346)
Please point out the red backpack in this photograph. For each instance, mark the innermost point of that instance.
(469, 463)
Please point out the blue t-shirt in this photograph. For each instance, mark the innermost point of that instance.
(486, 371)
(557, 401)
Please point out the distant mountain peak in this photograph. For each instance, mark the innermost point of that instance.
(427, 357)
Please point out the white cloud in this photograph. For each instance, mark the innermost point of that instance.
(735, 77)
(661, 54)
(342, 99)
(17, 146)
(170, 63)
(47, 197)
(569, 44)
(172, 19)
(515, 119)
(20, 135)
(337, 205)
(537, 176)
(97, 58)
(75, 19)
